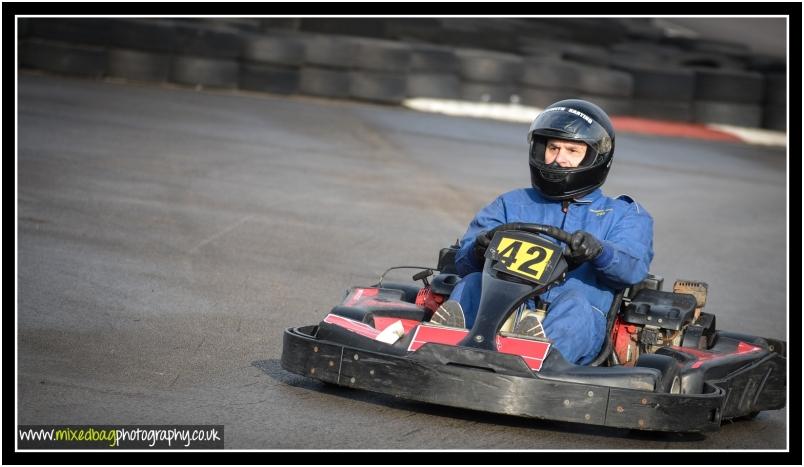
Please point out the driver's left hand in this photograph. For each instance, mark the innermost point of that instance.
(583, 246)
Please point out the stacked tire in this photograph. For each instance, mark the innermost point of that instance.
(327, 63)
(206, 56)
(547, 80)
(365, 69)
(489, 76)
(271, 64)
(142, 50)
(380, 71)
(66, 46)
(774, 111)
(774, 106)
(727, 96)
(433, 73)
(628, 68)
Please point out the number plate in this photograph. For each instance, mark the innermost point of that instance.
(524, 255)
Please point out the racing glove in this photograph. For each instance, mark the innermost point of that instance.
(583, 246)
(482, 242)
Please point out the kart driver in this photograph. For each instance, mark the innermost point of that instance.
(571, 151)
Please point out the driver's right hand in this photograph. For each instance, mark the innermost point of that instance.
(482, 242)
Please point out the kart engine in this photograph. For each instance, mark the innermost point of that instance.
(650, 319)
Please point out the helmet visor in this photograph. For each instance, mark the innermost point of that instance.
(570, 124)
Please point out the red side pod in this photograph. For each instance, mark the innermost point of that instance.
(355, 326)
(704, 356)
(436, 334)
(532, 351)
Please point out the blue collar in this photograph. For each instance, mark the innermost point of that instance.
(590, 197)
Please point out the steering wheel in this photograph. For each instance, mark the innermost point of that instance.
(549, 230)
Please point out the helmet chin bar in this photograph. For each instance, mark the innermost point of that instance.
(555, 176)
(569, 185)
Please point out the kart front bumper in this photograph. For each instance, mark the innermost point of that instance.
(498, 383)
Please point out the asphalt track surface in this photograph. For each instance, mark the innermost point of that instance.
(167, 237)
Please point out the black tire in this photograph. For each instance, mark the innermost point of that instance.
(489, 67)
(487, 92)
(139, 66)
(641, 28)
(628, 60)
(269, 78)
(776, 88)
(381, 55)
(272, 24)
(670, 381)
(89, 31)
(661, 83)
(473, 35)
(551, 74)
(728, 113)
(774, 117)
(198, 40)
(532, 48)
(743, 87)
(202, 71)
(433, 59)
(324, 82)
(706, 60)
(614, 106)
(766, 64)
(606, 82)
(154, 35)
(660, 52)
(414, 29)
(712, 46)
(361, 27)
(680, 111)
(140, 34)
(59, 57)
(329, 51)
(585, 54)
(539, 97)
(597, 31)
(388, 88)
(438, 86)
(279, 50)
(246, 25)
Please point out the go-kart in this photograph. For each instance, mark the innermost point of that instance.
(663, 366)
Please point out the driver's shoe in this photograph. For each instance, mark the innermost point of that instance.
(450, 314)
(530, 325)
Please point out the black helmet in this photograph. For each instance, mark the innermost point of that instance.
(574, 120)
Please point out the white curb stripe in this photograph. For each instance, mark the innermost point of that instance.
(526, 114)
(753, 135)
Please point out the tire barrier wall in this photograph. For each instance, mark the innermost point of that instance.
(626, 66)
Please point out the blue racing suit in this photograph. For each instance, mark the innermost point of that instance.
(576, 318)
